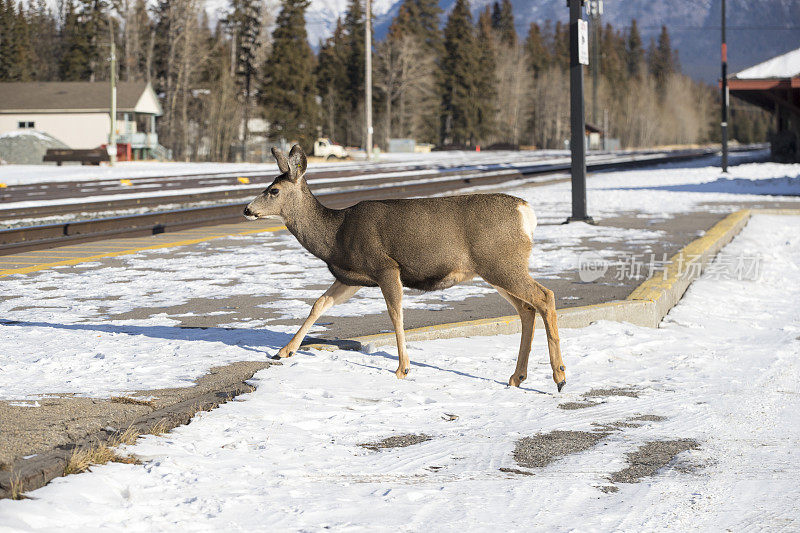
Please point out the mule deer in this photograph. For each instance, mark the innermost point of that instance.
(423, 243)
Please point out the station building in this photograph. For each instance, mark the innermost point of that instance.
(774, 85)
(77, 113)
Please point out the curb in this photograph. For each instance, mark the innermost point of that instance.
(38, 471)
(646, 306)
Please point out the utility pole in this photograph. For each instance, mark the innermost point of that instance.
(724, 95)
(578, 56)
(112, 138)
(368, 78)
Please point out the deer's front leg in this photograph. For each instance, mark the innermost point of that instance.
(392, 290)
(336, 294)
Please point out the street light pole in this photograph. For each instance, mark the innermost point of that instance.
(577, 142)
(112, 138)
(368, 78)
(724, 95)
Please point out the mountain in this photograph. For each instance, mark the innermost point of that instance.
(757, 29)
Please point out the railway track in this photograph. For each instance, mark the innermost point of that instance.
(334, 191)
(104, 194)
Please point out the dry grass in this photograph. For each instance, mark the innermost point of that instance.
(16, 488)
(128, 436)
(132, 401)
(159, 428)
(99, 454)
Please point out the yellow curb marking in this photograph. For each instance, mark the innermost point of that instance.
(653, 288)
(45, 266)
(41, 256)
(502, 320)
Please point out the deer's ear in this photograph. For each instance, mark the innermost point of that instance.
(280, 157)
(297, 162)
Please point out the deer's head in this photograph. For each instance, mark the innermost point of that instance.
(287, 189)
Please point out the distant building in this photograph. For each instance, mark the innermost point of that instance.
(78, 113)
(774, 85)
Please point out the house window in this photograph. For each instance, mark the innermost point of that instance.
(25, 125)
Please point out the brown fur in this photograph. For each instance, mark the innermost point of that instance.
(424, 243)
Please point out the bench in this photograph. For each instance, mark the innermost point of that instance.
(92, 156)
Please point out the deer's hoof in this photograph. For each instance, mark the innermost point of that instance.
(561, 385)
(281, 355)
(515, 380)
(401, 373)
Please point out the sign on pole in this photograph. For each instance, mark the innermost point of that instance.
(583, 42)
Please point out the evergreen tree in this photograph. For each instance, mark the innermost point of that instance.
(634, 53)
(612, 59)
(560, 46)
(44, 41)
(420, 19)
(660, 58)
(331, 79)
(74, 65)
(503, 23)
(94, 25)
(288, 94)
(22, 57)
(16, 53)
(536, 52)
(244, 25)
(5, 60)
(485, 100)
(354, 29)
(459, 66)
(85, 36)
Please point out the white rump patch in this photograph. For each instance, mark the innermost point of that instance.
(528, 220)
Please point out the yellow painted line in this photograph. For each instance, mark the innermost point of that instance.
(20, 263)
(499, 321)
(45, 266)
(653, 288)
(40, 256)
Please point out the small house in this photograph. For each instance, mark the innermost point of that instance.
(78, 113)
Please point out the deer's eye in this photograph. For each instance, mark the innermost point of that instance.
(274, 191)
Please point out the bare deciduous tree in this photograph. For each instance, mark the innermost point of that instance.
(405, 76)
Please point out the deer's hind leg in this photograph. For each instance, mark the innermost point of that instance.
(336, 294)
(520, 284)
(527, 315)
(392, 289)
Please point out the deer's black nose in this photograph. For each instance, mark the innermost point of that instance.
(248, 213)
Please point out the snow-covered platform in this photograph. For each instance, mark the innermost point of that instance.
(692, 425)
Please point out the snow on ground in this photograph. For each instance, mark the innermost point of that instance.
(287, 456)
(68, 335)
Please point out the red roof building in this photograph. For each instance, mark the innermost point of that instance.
(774, 85)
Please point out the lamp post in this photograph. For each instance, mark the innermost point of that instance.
(724, 123)
(368, 78)
(578, 56)
(112, 138)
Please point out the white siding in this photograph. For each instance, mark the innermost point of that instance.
(76, 130)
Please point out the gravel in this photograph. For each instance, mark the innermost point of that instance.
(26, 147)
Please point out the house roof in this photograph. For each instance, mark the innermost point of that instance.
(782, 66)
(80, 96)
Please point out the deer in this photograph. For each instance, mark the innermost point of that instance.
(421, 243)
